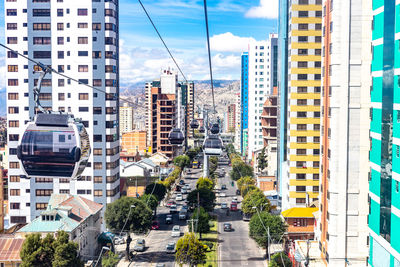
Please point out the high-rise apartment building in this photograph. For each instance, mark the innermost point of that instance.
(343, 227)
(384, 192)
(126, 123)
(244, 97)
(79, 39)
(269, 118)
(301, 178)
(262, 76)
(238, 113)
(162, 101)
(186, 91)
(231, 118)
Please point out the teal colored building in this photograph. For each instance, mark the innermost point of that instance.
(384, 193)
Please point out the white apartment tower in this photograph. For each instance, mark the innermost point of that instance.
(262, 72)
(126, 122)
(79, 39)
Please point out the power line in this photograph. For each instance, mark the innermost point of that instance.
(50, 69)
(162, 40)
(209, 54)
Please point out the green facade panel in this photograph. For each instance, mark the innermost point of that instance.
(374, 217)
(376, 93)
(395, 232)
(396, 194)
(377, 4)
(375, 183)
(375, 153)
(376, 120)
(377, 60)
(378, 26)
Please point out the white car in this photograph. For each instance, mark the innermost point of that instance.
(222, 194)
(224, 206)
(179, 197)
(176, 231)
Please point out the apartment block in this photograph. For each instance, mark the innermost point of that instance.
(126, 123)
(79, 39)
(384, 195)
(262, 77)
(244, 96)
(269, 118)
(303, 103)
(231, 118)
(134, 142)
(345, 141)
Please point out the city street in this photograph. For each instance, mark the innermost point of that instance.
(236, 247)
(157, 240)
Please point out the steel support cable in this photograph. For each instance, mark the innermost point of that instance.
(209, 54)
(162, 40)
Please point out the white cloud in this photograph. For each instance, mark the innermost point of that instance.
(230, 61)
(227, 42)
(268, 9)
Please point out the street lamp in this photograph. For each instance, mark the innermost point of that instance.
(101, 252)
(127, 218)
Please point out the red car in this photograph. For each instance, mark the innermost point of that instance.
(234, 207)
(170, 203)
(155, 225)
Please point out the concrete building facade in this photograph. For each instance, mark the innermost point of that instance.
(303, 103)
(79, 39)
(345, 132)
(244, 100)
(126, 122)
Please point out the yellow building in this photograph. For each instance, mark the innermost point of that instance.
(304, 102)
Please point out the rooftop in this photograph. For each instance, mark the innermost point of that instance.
(299, 212)
(10, 248)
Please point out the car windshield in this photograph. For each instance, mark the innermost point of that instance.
(140, 241)
(170, 246)
(176, 228)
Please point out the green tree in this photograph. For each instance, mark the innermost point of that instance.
(202, 221)
(248, 188)
(190, 251)
(206, 198)
(259, 225)
(255, 198)
(139, 220)
(204, 182)
(192, 153)
(240, 169)
(182, 161)
(150, 200)
(262, 161)
(48, 251)
(109, 259)
(280, 259)
(157, 189)
(244, 181)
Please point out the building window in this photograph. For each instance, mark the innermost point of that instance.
(97, 151)
(12, 82)
(98, 179)
(303, 14)
(301, 151)
(301, 139)
(96, 26)
(82, 25)
(301, 102)
(98, 193)
(41, 206)
(14, 179)
(44, 192)
(60, 40)
(315, 188)
(13, 124)
(14, 206)
(83, 68)
(83, 40)
(41, 26)
(13, 137)
(97, 165)
(300, 200)
(97, 138)
(11, 12)
(12, 54)
(41, 54)
(18, 219)
(12, 40)
(64, 191)
(41, 12)
(61, 82)
(13, 110)
(303, 26)
(82, 53)
(82, 12)
(83, 96)
(12, 26)
(15, 192)
(301, 127)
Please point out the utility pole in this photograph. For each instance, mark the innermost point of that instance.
(308, 253)
(191, 221)
(205, 122)
(268, 254)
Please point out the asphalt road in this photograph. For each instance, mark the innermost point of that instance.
(236, 248)
(157, 240)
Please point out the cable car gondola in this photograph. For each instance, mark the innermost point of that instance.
(54, 146)
(175, 137)
(214, 128)
(194, 124)
(212, 146)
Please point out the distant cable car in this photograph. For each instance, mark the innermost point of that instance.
(214, 128)
(176, 137)
(194, 124)
(54, 146)
(212, 146)
(202, 130)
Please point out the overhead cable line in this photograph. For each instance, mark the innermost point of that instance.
(162, 40)
(209, 55)
(51, 70)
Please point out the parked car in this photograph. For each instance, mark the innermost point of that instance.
(176, 231)
(178, 188)
(179, 197)
(228, 227)
(184, 191)
(185, 207)
(181, 182)
(246, 217)
(155, 225)
(234, 207)
(170, 248)
(223, 187)
(235, 199)
(173, 209)
(120, 239)
(140, 245)
(224, 206)
(238, 192)
(222, 194)
(168, 219)
(182, 215)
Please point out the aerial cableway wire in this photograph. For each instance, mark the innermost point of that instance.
(162, 40)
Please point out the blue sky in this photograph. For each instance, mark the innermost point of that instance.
(233, 24)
